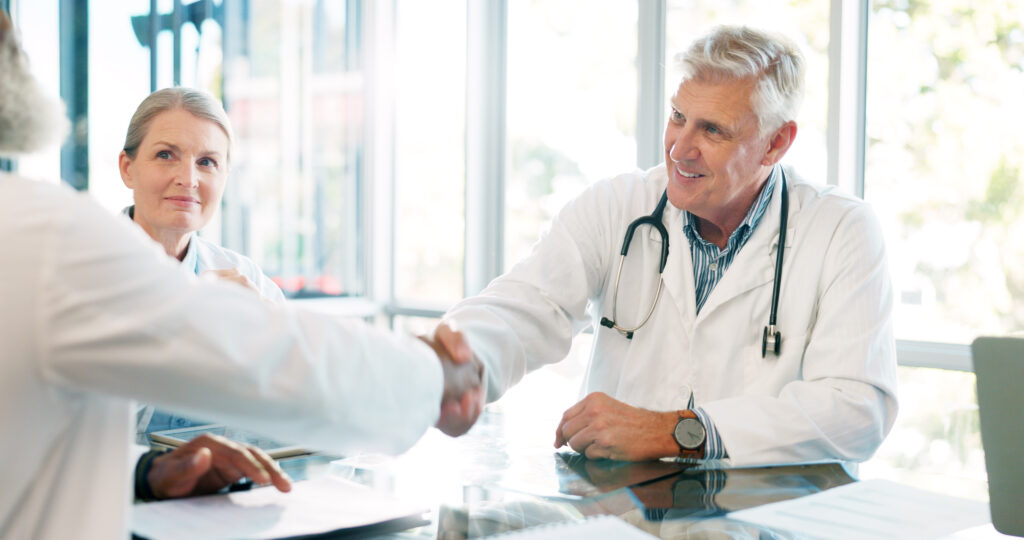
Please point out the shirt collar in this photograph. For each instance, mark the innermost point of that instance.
(749, 223)
(191, 260)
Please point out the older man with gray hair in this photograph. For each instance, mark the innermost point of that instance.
(93, 315)
(764, 335)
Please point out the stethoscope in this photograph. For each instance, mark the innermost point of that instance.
(771, 338)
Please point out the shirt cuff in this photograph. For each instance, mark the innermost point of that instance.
(713, 448)
(143, 491)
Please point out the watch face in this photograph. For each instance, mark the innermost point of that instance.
(689, 433)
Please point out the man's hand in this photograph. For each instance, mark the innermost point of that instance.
(602, 427)
(232, 275)
(208, 463)
(464, 394)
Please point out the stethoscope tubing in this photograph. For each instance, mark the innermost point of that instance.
(655, 220)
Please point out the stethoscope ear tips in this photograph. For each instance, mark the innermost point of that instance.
(772, 336)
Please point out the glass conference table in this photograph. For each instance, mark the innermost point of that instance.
(501, 477)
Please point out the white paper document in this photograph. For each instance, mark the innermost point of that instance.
(870, 509)
(312, 507)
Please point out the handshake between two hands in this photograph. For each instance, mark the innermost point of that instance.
(464, 390)
(208, 463)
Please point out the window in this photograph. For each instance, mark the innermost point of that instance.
(945, 164)
(294, 87)
(429, 152)
(291, 78)
(572, 93)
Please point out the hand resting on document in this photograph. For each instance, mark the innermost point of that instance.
(209, 463)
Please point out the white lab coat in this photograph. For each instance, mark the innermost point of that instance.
(94, 315)
(830, 395)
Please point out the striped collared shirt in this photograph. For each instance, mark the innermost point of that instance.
(709, 264)
(709, 261)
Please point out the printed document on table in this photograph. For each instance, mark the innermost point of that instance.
(870, 509)
(312, 507)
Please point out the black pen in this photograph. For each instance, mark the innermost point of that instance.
(243, 484)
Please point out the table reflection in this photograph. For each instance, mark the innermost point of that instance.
(707, 493)
(501, 477)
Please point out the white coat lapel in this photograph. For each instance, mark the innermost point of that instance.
(678, 274)
(754, 265)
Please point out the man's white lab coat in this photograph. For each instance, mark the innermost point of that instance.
(830, 395)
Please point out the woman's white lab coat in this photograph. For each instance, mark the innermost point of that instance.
(830, 394)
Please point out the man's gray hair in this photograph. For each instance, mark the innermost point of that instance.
(738, 52)
(196, 102)
(30, 118)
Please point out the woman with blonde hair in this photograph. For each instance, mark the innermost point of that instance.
(176, 160)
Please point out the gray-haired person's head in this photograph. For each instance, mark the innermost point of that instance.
(738, 52)
(30, 118)
(196, 102)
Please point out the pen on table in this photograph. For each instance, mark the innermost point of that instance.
(243, 484)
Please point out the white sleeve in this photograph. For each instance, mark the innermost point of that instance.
(527, 317)
(845, 401)
(119, 317)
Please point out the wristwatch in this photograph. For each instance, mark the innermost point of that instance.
(690, 435)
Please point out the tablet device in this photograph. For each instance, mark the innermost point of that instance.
(174, 438)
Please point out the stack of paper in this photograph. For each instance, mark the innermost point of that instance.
(870, 509)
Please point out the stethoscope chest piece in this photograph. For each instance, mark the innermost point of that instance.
(771, 340)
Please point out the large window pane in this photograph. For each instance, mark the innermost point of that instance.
(572, 86)
(430, 78)
(806, 22)
(945, 162)
(293, 86)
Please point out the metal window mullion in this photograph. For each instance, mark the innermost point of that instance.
(308, 263)
(379, 178)
(154, 31)
(847, 85)
(486, 73)
(74, 90)
(928, 354)
(290, 146)
(177, 18)
(650, 82)
(355, 223)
